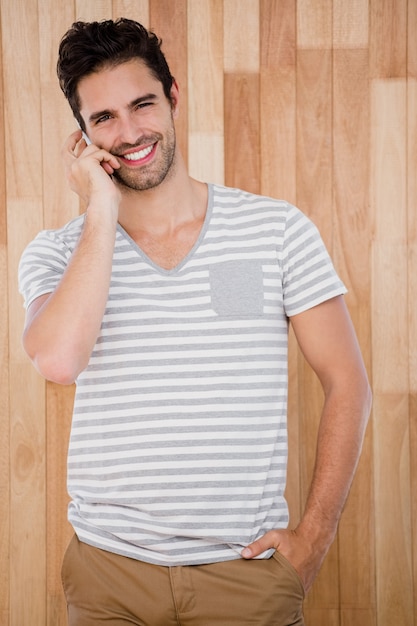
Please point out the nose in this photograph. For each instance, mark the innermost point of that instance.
(128, 131)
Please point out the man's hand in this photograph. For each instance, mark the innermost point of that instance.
(89, 169)
(305, 557)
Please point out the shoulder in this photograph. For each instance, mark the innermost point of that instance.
(287, 217)
(63, 238)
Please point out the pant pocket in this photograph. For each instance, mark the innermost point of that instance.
(290, 569)
(66, 563)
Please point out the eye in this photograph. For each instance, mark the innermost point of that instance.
(143, 105)
(103, 118)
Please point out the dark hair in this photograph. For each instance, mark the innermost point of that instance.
(87, 47)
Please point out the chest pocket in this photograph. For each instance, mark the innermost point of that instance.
(237, 288)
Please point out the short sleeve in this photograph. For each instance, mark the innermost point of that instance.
(45, 259)
(309, 277)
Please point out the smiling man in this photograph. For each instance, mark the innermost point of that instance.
(168, 303)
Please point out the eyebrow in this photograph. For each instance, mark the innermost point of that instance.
(96, 115)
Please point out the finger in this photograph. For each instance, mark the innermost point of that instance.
(266, 542)
(72, 141)
(107, 168)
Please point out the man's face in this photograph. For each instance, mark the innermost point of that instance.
(127, 113)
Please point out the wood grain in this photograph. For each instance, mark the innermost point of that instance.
(171, 18)
(313, 101)
(350, 24)
(388, 41)
(314, 138)
(205, 87)
(241, 142)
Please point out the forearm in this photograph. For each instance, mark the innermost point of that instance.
(340, 437)
(61, 335)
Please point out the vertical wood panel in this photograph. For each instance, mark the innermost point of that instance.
(314, 138)
(388, 28)
(314, 197)
(4, 379)
(20, 39)
(205, 90)
(241, 36)
(241, 143)
(351, 254)
(133, 9)
(278, 173)
(412, 282)
(350, 24)
(276, 98)
(169, 20)
(390, 352)
(314, 24)
(241, 94)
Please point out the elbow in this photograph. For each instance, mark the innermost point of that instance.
(52, 366)
(56, 370)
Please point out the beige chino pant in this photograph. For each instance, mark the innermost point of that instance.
(105, 588)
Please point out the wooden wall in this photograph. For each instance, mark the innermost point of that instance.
(314, 101)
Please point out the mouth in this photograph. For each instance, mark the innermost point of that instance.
(138, 155)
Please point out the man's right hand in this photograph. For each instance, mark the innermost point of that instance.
(89, 170)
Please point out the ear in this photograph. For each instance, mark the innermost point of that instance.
(175, 98)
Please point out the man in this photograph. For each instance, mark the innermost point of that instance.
(168, 304)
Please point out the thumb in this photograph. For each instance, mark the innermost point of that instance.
(266, 542)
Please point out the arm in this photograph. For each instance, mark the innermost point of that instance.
(327, 339)
(61, 328)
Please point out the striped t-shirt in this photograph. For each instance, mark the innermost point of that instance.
(178, 447)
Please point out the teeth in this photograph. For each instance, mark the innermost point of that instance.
(136, 156)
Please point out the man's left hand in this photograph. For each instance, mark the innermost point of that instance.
(305, 557)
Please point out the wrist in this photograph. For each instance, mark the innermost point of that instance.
(318, 531)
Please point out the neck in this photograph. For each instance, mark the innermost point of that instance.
(178, 200)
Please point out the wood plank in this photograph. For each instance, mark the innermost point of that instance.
(4, 379)
(133, 9)
(351, 117)
(21, 76)
(351, 145)
(20, 52)
(350, 24)
(411, 132)
(241, 25)
(242, 162)
(241, 94)
(59, 531)
(277, 113)
(388, 41)
(412, 318)
(324, 594)
(321, 617)
(358, 617)
(205, 90)
(59, 202)
(389, 216)
(278, 99)
(4, 435)
(314, 197)
(314, 132)
(411, 39)
(93, 10)
(314, 24)
(27, 495)
(392, 509)
(169, 20)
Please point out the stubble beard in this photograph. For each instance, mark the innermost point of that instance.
(149, 177)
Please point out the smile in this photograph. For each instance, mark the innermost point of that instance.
(137, 156)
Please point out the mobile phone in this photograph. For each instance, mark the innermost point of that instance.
(85, 136)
